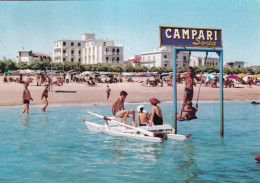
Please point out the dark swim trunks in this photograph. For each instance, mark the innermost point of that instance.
(26, 101)
(188, 91)
(142, 125)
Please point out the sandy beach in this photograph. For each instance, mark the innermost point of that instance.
(11, 93)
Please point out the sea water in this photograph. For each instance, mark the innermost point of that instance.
(56, 146)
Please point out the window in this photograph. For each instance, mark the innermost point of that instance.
(72, 52)
(104, 43)
(212, 63)
(64, 59)
(72, 44)
(79, 59)
(64, 51)
(165, 65)
(117, 59)
(143, 59)
(113, 59)
(79, 44)
(72, 60)
(107, 59)
(153, 58)
(79, 52)
(165, 56)
(117, 51)
(148, 58)
(216, 63)
(184, 58)
(64, 43)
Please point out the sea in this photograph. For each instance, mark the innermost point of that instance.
(56, 146)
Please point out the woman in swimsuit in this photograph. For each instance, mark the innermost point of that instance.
(156, 116)
(44, 98)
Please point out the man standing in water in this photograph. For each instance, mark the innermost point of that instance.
(189, 82)
(26, 98)
(117, 108)
(108, 91)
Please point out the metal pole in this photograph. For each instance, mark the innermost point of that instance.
(51, 78)
(174, 53)
(221, 94)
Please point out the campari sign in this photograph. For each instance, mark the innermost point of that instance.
(190, 37)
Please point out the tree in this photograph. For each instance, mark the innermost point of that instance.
(129, 68)
(116, 68)
(22, 65)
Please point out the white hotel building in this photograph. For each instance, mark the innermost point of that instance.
(88, 50)
(162, 57)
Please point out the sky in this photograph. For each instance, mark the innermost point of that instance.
(34, 25)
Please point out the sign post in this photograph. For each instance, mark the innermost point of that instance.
(193, 39)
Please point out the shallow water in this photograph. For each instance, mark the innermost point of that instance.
(56, 146)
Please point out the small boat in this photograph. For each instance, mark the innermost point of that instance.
(156, 133)
(257, 158)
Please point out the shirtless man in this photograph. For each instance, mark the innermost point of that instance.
(190, 113)
(108, 91)
(189, 81)
(26, 98)
(117, 108)
(142, 116)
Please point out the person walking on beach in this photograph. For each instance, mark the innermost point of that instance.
(118, 110)
(142, 116)
(26, 98)
(156, 116)
(108, 91)
(44, 98)
(189, 82)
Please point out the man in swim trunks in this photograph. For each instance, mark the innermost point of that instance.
(108, 91)
(26, 98)
(189, 82)
(117, 108)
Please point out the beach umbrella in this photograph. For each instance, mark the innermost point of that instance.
(126, 74)
(114, 73)
(39, 72)
(27, 71)
(146, 74)
(233, 77)
(8, 72)
(73, 70)
(241, 75)
(255, 76)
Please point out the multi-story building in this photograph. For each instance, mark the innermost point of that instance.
(202, 61)
(234, 64)
(88, 50)
(160, 57)
(134, 61)
(255, 67)
(29, 56)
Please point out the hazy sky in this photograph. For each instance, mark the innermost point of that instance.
(34, 25)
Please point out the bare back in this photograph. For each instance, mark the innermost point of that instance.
(142, 117)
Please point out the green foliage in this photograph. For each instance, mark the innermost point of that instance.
(129, 68)
(117, 68)
(38, 65)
